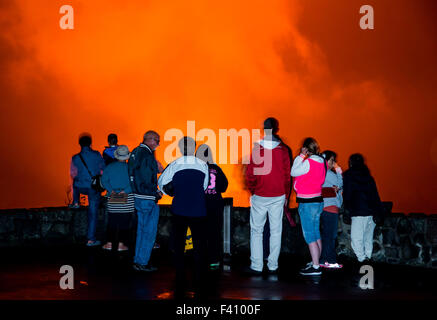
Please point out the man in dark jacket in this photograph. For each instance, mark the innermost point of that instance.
(85, 165)
(143, 170)
(362, 204)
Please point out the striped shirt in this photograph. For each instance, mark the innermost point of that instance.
(128, 207)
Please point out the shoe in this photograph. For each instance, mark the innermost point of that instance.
(250, 271)
(74, 206)
(214, 266)
(93, 243)
(156, 246)
(107, 247)
(328, 265)
(121, 249)
(272, 271)
(144, 268)
(311, 271)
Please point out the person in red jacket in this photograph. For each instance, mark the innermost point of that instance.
(268, 180)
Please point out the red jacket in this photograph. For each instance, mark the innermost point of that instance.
(276, 182)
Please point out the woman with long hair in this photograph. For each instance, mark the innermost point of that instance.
(308, 171)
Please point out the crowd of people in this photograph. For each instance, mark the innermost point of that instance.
(196, 184)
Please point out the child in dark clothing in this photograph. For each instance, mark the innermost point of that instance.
(218, 183)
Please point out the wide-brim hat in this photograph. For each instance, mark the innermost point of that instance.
(122, 153)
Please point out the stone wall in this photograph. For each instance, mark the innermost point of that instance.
(403, 239)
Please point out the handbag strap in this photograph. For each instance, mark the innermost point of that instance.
(83, 161)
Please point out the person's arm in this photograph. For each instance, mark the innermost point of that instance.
(166, 177)
(106, 182)
(287, 177)
(347, 191)
(300, 166)
(339, 174)
(206, 179)
(101, 163)
(73, 169)
(250, 177)
(222, 181)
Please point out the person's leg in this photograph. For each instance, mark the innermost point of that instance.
(258, 214)
(94, 202)
(329, 233)
(275, 212)
(357, 238)
(179, 233)
(123, 231)
(214, 227)
(368, 236)
(324, 222)
(148, 215)
(111, 229)
(307, 213)
(199, 238)
(332, 253)
(266, 239)
(76, 195)
(141, 216)
(318, 209)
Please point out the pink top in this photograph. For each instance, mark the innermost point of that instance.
(309, 185)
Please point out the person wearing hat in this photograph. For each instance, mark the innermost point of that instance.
(121, 203)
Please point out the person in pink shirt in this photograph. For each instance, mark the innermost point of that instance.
(309, 171)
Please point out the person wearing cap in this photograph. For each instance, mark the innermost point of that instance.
(121, 202)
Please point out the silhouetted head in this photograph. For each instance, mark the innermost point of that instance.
(151, 139)
(357, 162)
(85, 140)
(271, 124)
(187, 146)
(204, 153)
(112, 139)
(330, 157)
(311, 145)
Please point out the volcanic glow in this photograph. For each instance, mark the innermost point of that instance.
(131, 66)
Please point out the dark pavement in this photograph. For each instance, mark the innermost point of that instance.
(33, 274)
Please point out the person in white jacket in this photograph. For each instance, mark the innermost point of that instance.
(332, 191)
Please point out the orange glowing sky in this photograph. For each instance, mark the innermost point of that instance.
(130, 66)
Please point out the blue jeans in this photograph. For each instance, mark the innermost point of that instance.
(148, 215)
(94, 202)
(329, 222)
(310, 219)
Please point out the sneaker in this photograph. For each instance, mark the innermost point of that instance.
(144, 268)
(74, 206)
(156, 246)
(311, 271)
(214, 266)
(93, 243)
(331, 265)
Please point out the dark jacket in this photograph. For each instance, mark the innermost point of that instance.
(360, 195)
(108, 155)
(218, 183)
(80, 175)
(143, 170)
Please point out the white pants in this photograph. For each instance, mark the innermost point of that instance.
(362, 237)
(259, 208)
